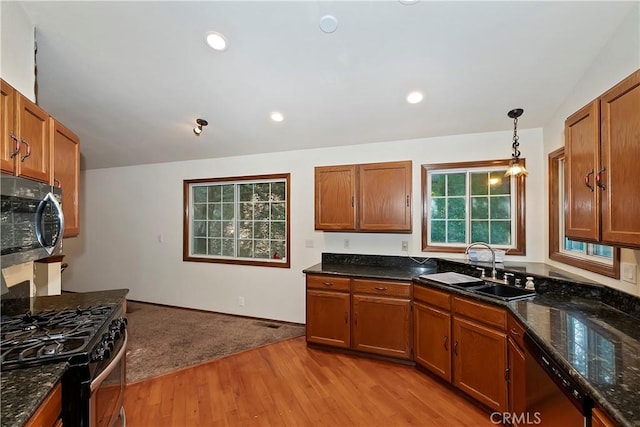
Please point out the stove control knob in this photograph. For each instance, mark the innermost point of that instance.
(114, 334)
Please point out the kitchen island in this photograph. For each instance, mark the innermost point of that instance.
(565, 305)
(25, 388)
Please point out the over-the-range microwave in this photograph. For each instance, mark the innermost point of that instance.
(32, 221)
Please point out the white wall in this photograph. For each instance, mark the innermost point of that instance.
(618, 59)
(125, 210)
(17, 48)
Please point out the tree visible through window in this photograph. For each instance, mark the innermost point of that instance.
(472, 202)
(239, 220)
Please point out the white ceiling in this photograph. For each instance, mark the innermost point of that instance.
(130, 78)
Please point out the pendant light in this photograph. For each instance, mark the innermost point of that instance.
(515, 167)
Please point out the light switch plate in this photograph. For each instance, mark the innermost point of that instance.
(628, 272)
(405, 246)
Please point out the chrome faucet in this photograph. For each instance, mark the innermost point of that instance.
(493, 258)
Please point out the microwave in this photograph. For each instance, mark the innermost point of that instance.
(32, 222)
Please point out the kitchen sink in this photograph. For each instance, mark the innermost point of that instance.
(505, 292)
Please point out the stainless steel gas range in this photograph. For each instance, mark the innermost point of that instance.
(91, 338)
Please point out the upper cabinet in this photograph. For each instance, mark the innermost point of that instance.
(374, 197)
(66, 174)
(25, 148)
(601, 175)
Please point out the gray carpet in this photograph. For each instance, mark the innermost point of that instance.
(163, 339)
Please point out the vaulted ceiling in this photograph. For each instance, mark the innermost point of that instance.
(130, 78)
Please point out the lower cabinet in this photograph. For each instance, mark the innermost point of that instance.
(600, 419)
(48, 413)
(432, 332)
(372, 316)
(517, 369)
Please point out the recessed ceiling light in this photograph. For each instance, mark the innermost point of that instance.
(216, 41)
(277, 116)
(328, 24)
(415, 97)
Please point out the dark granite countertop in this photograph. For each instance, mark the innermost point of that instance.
(24, 389)
(591, 330)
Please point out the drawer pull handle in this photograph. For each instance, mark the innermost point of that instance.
(17, 141)
(23, 158)
(587, 180)
(327, 283)
(455, 348)
(599, 179)
(381, 288)
(514, 332)
(446, 343)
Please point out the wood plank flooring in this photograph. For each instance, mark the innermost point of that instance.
(287, 384)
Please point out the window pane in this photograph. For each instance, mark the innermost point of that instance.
(215, 246)
(227, 211)
(200, 210)
(200, 246)
(261, 230)
(456, 184)
(245, 210)
(479, 231)
(277, 249)
(199, 194)
(456, 208)
(438, 208)
(479, 184)
(214, 211)
(215, 228)
(262, 249)
(456, 231)
(501, 207)
(278, 211)
(262, 192)
(278, 191)
(246, 192)
(228, 229)
(245, 248)
(245, 230)
(228, 193)
(215, 193)
(500, 232)
(479, 208)
(200, 228)
(228, 247)
(437, 185)
(438, 231)
(278, 230)
(261, 211)
(499, 183)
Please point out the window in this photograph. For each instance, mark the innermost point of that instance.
(237, 220)
(472, 202)
(599, 259)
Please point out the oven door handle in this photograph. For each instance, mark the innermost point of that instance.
(55, 244)
(112, 362)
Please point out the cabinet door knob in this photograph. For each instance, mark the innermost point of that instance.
(599, 179)
(28, 151)
(587, 180)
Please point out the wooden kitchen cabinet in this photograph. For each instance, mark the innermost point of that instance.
(25, 136)
(66, 174)
(432, 330)
(48, 413)
(601, 172)
(382, 318)
(374, 197)
(328, 311)
(600, 419)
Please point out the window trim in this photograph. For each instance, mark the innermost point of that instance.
(186, 221)
(519, 214)
(555, 252)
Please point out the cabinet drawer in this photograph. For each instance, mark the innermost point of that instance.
(328, 282)
(515, 331)
(381, 287)
(49, 411)
(481, 312)
(433, 297)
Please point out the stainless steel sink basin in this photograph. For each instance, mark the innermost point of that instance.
(505, 292)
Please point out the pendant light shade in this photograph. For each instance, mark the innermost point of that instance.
(515, 167)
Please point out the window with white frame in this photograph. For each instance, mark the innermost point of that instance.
(237, 220)
(472, 202)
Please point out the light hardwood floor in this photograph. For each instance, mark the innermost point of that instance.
(287, 384)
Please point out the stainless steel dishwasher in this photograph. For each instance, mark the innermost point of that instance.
(554, 398)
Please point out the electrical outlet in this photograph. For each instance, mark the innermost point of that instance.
(346, 243)
(405, 246)
(241, 301)
(628, 271)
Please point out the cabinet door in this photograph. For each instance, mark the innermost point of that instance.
(382, 325)
(480, 363)
(620, 110)
(66, 172)
(432, 339)
(7, 127)
(517, 377)
(385, 196)
(328, 318)
(600, 419)
(33, 131)
(582, 137)
(335, 198)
